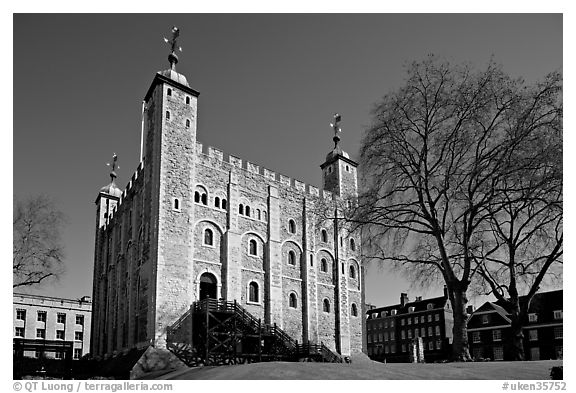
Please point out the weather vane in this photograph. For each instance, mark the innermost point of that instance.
(114, 166)
(172, 58)
(336, 127)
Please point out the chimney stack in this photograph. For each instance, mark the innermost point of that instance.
(403, 299)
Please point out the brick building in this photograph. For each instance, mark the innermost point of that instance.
(390, 330)
(195, 223)
(50, 318)
(490, 335)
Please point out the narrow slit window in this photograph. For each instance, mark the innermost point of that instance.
(167, 115)
(253, 247)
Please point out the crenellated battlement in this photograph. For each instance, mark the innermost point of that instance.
(250, 167)
(127, 192)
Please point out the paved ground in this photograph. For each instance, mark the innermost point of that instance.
(539, 370)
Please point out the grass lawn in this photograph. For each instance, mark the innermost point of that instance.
(537, 370)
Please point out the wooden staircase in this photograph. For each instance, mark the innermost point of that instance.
(217, 332)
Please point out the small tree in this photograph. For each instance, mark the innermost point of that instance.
(523, 234)
(431, 163)
(37, 249)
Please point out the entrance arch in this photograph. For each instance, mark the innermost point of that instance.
(208, 286)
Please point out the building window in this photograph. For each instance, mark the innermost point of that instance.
(253, 247)
(224, 204)
(436, 317)
(167, 115)
(187, 100)
(429, 317)
(369, 339)
(430, 345)
(79, 319)
(354, 310)
(352, 245)
(411, 309)
(409, 321)
(77, 353)
(409, 333)
(58, 355)
(293, 301)
(40, 333)
(204, 199)
(326, 305)
(208, 237)
(37, 354)
(187, 123)
(176, 204)
(291, 226)
(197, 197)
(558, 314)
(475, 337)
(19, 332)
(497, 335)
(423, 331)
(532, 317)
(437, 330)
(241, 209)
(291, 258)
(403, 334)
(403, 347)
(558, 332)
(78, 336)
(59, 334)
(352, 272)
(264, 217)
(247, 211)
(393, 312)
(41, 316)
(169, 92)
(498, 353)
(385, 336)
(402, 322)
(258, 214)
(217, 202)
(323, 265)
(324, 236)
(485, 319)
(533, 335)
(253, 292)
(429, 306)
(438, 344)
(21, 315)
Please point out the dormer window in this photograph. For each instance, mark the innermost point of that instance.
(558, 314)
(429, 306)
(410, 309)
(393, 312)
(532, 317)
(485, 319)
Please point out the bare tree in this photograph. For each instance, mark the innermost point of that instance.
(37, 249)
(431, 163)
(523, 234)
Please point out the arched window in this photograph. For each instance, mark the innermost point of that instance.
(352, 245)
(291, 258)
(324, 236)
(217, 202)
(264, 215)
(253, 292)
(253, 247)
(352, 272)
(176, 205)
(354, 310)
(293, 301)
(205, 199)
(241, 209)
(187, 123)
(323, 265)
(326, 305)
(224, 204)
(187, 100)
(197, 197)
(167, 115)
(208, 237)
(248, 211)
(169, 92)
(291, 226)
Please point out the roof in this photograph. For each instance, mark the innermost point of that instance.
(112, 189)
(175, 76)
(420, 305)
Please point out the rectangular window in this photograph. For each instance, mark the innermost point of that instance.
(393, 348)
(78, 336)
(558, 332)
(385, 336)
(437, 330)
(429, 317)
(386, 349)
(379, 337)
(558, 314)
(430, 345)
(391, 323)
(61, 318)
(403, 334)
(423, 332)
(59, 334)
(403, 347)
(19, 332)
(438, 344)
(498, 353)
(533, 317)
(430, 331)
(409, 321)
(79, 319)
(535, 353)
(497, 335)
(41, 316)
(409, 333)
(533, 335)
(422, 319)
(485, 319)
(475, 337)
(21, 315)
(77, 353)
(402, 322)
(58, 355)
(40, 333)
(436, 317)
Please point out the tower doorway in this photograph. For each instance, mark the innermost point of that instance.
(208, 286)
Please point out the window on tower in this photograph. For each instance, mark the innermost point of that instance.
(241, 209)
(167, 115)
(291, 226)
(324, 236)
(187, 123)
(323, 265)
(169, 92)
(253, 292)
(326, 305)
(352, 245)
(208, 237)
(187, 100)
(217, 202)
(293, 302)
(291, 258)
(253, 247)
(352, 272)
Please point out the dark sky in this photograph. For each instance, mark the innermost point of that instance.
(268, 85)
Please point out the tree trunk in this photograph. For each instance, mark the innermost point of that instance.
(517, 348)
(459, 300)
